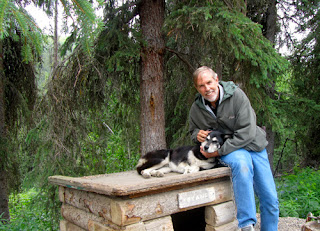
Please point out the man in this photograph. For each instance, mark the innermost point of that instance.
(224, 106)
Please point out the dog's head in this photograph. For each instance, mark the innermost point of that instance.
(214, 141)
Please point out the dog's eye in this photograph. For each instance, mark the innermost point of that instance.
(214, 139)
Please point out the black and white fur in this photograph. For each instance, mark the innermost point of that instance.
(187, 159)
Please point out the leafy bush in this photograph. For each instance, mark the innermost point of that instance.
(27, 215)
(114, 154)
(299, 193)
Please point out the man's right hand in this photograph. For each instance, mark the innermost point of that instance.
(202, 135)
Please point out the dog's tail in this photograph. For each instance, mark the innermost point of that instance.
(142, 164)
(152, 159)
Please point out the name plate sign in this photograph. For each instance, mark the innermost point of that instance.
(196, 197)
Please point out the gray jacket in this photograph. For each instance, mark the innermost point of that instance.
(234, 116)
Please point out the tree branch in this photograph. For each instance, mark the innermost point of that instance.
(191, 69)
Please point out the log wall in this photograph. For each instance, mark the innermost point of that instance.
(112, 202)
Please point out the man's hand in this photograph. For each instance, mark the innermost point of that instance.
(209, 154)
(202, 135)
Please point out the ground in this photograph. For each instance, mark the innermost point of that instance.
(286, 224)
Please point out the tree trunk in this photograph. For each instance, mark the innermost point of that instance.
(55, 37)
(271, 23)
(152, 117)
(4, 207)
(270, 146)
(4, 200)
(270, 34)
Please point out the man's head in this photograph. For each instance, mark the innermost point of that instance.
(206, 82)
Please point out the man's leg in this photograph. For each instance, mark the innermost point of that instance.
(241, 166)
(266, 191)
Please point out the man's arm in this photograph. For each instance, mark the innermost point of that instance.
(245, 125)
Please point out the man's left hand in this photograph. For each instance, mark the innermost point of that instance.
(209, 154)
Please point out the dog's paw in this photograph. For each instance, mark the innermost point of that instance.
(160, 174)
(186, 170)
(191, 169)
(145, 174)
(157, 173)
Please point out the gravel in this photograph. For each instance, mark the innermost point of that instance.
(285, 223)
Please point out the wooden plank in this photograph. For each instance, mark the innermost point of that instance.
(68, 226)
(81, 218)
(95, 226)
(220, 214)
(94, 203)
(163, 224)
(196, 197)
(160, 224)
(232, 226)
(311, 226)
(77, 216)
(125, 211)
(61, 193)
(130, 183)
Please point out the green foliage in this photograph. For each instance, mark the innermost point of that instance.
(220, 36)
(28, 214)
(98, 151)
(96, 90)
(16, 23)
(86, 26)
(229, 36)
(178, 98)
(19, 85)
(3, 24)
(297, 106)
(70, 136)
(299, 193)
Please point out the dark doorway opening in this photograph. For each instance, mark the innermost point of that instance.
(191, 220)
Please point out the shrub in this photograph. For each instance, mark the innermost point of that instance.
(27, 215)
(299, 193)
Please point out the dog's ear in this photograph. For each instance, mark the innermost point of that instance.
(226, 136)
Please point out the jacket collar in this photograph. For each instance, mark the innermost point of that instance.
(221, 94)
(226, 90)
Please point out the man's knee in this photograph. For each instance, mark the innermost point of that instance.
(239, 159)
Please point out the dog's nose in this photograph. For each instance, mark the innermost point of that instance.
(206, 147)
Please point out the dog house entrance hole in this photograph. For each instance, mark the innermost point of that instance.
(191, 220)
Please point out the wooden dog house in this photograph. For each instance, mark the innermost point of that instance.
(126, 201)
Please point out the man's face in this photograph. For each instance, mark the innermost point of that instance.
(207, 86)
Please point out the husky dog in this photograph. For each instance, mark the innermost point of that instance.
(187, 159)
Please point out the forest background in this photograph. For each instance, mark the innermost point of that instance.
(95, 102)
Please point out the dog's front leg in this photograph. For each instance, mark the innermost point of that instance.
(160, 172)
(191, 169)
